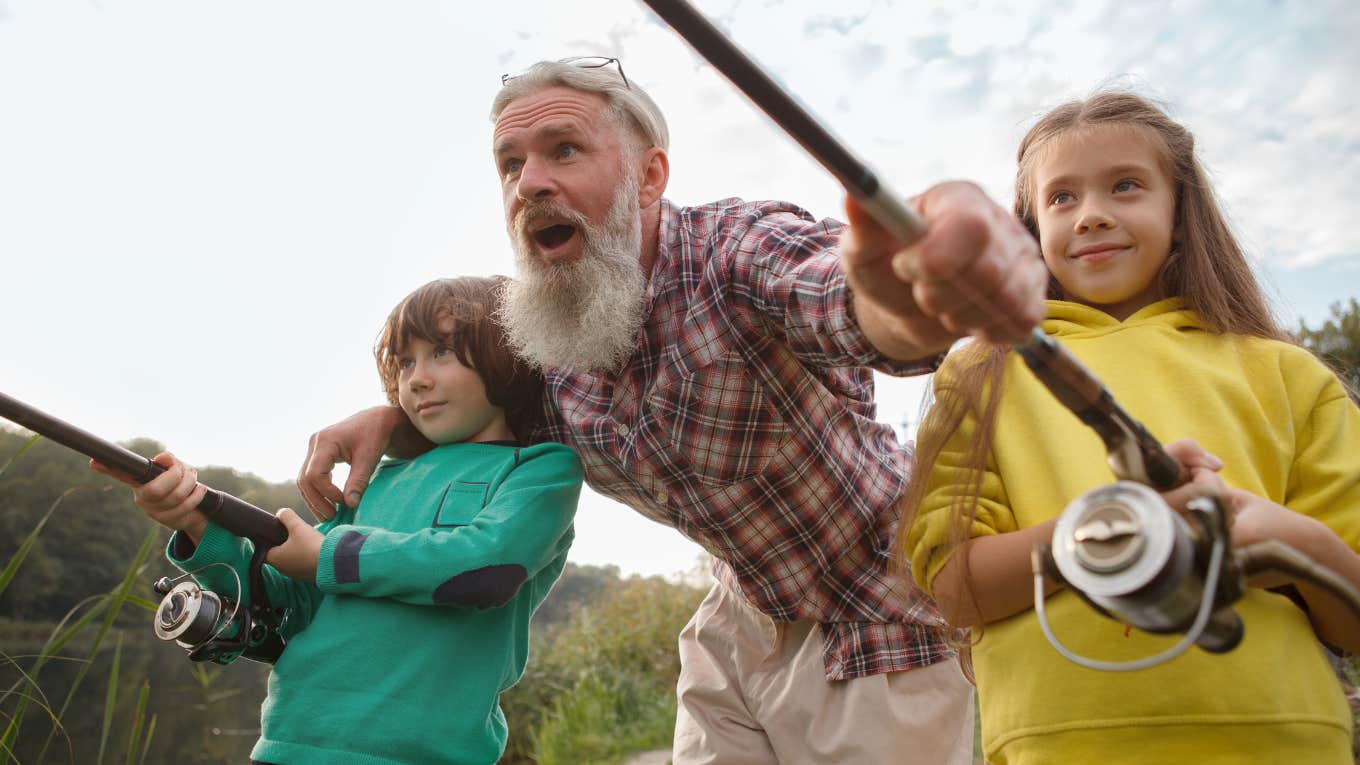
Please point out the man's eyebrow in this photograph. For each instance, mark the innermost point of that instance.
(557, 130)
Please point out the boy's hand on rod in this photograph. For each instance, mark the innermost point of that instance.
(171, 498)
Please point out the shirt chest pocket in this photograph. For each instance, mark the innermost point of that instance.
(718, 420)
(461, 503)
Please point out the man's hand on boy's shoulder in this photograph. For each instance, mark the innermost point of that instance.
(358, 441)
(297, 557)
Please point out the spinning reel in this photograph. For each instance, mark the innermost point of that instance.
(1128, 555)
(213, 627)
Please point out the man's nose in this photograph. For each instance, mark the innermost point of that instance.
(536, 181)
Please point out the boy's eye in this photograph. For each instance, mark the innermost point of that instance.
(1125, 185)
(405, 363)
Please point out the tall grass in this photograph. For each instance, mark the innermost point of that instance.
(91, 620)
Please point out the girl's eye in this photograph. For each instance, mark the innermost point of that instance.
(1125, 185)
(442, 351)
(1060, 198)
(405, 363)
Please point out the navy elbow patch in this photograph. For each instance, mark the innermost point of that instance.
(486, 587)
(346, 558)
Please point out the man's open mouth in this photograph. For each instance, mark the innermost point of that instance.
(555, 235)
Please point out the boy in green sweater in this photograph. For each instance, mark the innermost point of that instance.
(410, 613)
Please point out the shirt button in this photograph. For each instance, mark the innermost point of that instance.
(661, 498)
(622, 430)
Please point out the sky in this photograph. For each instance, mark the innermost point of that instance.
(208, 209)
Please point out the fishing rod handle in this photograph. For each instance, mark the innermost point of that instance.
(235, 515)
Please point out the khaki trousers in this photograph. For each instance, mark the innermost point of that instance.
(752, 692)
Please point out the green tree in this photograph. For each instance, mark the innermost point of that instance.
(1337, 342)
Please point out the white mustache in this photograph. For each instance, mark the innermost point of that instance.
(534, 212)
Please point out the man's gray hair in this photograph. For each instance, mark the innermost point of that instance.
(629, 106)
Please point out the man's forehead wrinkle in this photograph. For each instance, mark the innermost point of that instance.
(564, 111)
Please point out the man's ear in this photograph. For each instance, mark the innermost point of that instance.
(656, 172)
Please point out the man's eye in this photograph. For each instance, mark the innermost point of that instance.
(566, 151)
(511, 166)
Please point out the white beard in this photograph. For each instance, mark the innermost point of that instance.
(586, 314)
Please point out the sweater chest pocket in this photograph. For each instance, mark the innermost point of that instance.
(460, 503)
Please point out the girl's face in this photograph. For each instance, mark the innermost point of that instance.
(1106, 212)
(444, 399)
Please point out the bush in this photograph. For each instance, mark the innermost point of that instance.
(602, 685)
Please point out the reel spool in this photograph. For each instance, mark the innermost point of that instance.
(1128, 555)
(210, 627)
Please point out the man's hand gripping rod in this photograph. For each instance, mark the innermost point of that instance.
(235, 515)
(1133, 452)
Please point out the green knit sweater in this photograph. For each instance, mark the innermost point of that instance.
(419, 616)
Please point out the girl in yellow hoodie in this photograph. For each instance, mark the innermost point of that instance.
(1151, 291)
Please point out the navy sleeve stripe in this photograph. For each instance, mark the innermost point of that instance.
(347, 557)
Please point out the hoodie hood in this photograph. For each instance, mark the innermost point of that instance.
(1066, 319)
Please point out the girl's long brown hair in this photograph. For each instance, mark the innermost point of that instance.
(1206, 269)
(467, 307)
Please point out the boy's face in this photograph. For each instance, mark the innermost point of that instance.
(444, 399)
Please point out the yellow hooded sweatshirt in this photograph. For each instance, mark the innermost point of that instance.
(1285, 429)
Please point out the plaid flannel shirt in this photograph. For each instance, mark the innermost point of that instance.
(745, 419)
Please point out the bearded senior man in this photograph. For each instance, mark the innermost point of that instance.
(711, 366)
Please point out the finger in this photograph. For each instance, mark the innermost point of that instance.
(188, 486)
(288, 518)
(315, 502)
(1190, 454)
(158, 489)
(190, 504)
(868, 242)
(318, 491)
(360, 472)
(1203, 482)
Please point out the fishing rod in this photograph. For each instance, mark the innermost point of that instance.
(1120, 548)
(1133, 452)
(209, 626)
(235, 515)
